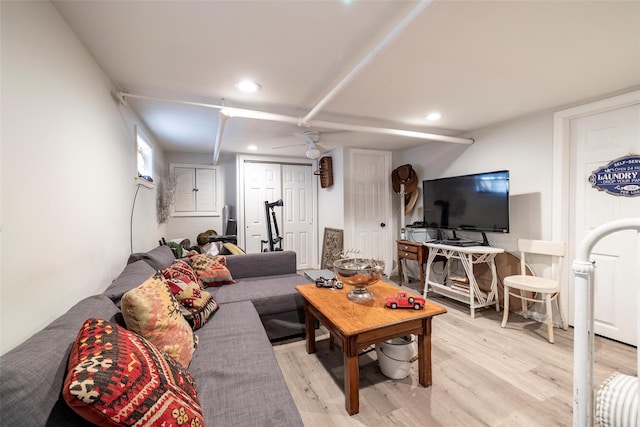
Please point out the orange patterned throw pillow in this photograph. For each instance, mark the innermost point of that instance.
(118, 378)
(197, 304)
(152, 311)
(211, 270)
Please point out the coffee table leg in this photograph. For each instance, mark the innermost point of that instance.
(310, 329)
(351, 384)
(424, 354)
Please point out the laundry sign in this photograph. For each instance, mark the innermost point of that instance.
(621, 177)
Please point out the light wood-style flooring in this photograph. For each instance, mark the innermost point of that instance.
(483, 375)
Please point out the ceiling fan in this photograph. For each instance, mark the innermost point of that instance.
(313, 142)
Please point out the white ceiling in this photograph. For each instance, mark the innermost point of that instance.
(476, 62)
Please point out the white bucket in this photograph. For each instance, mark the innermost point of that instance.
(395, 356)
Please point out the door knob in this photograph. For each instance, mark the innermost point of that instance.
(382, 224)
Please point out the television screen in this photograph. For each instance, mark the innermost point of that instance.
(478, 202)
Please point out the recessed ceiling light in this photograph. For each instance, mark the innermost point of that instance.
(433, 116)
(248, 86)
(252, 148)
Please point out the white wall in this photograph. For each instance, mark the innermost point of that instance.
(331, 199)
(524, 147)
(67, 174)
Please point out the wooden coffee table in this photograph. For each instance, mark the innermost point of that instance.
(356, 326)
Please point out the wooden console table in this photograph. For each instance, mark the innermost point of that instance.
(415, 251)
(469, 256)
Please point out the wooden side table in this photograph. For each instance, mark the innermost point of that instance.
(356, 326)
(415, 251)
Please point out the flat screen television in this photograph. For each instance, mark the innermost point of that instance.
(478, 202)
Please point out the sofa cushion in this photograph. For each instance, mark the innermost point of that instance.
(152, 311)
(276, 300)
(119, 378)
(236, 366)
(131, 277)
(159, 258)
(197, 304)
(211, 270)
(262, 264)
(270, 294)
(33, 372)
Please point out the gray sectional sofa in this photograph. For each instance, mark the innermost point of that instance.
(238, 379)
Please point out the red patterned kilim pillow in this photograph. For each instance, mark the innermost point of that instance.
(118, 378)
(211, 270)
(180, 269)
(204, 261)
(198, 305)
(178, 284)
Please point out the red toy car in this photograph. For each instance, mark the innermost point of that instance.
(402, 300)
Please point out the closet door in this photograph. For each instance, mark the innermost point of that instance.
(206, 196)
(262, 183)
(185, 189)
(298, 222)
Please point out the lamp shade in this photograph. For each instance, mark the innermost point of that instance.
(312, 152)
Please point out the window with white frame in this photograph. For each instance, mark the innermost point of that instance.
(144, 156)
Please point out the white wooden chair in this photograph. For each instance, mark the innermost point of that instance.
(549, 287)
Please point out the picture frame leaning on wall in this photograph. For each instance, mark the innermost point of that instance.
(332, 247)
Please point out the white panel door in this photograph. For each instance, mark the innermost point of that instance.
(297, 222)
(370, 204)
(262, 183)
(596, 140)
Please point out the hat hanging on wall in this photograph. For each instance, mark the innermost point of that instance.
(410, 201)
(404, 175)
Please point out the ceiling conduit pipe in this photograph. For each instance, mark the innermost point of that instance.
(230, 112)
(122, 96)
(387, 40)
(259, 115)
(391, 131)
(222, 122)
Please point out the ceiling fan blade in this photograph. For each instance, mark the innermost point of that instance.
(312, 139)
(288, 146)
